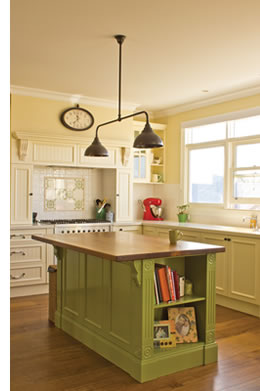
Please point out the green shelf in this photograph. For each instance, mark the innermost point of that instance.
(183, 300)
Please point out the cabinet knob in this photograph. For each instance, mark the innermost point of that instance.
(30, 194)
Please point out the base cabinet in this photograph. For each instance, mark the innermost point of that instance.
(109, 306)
(29, 261)
(136, 229)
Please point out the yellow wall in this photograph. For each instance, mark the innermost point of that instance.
(173, 144)
(42, 115)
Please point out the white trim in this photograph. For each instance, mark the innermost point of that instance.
(222, 117)
(207, 102)
(71, 98)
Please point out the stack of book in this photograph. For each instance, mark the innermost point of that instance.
(168, 285)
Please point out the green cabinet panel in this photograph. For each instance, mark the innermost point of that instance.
(109, 306)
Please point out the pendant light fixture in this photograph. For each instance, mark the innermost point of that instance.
(146, 139)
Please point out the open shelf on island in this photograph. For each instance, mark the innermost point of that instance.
(182, 300)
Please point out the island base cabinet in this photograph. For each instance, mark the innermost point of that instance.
(109, 306)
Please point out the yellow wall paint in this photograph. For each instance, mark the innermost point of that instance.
(42, 115)
(173, 144)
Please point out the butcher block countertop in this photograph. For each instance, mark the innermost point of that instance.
(124, 246)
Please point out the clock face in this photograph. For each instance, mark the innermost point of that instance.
(77, 119)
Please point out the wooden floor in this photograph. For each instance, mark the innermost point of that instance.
(44, 358)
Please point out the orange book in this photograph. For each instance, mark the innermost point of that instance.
(164, 283)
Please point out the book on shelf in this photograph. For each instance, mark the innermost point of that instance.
(176, 283)
(168, 284)
(163, 283)
(157, 300)
(158, 285)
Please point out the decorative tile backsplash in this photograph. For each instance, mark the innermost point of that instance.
(93, 180)
(64, 193)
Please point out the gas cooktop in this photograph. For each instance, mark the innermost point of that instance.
(73, 221)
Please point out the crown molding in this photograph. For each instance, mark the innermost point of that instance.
(207, 102)
(71, 98)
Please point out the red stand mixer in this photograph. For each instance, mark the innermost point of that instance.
(152, 209)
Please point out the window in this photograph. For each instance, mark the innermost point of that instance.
(222, 163)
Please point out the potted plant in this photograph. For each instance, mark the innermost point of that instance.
(182, 213)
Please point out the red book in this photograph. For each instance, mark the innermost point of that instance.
(164, 284)
(177, 286)
(170, 283)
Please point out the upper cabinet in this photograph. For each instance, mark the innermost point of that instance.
(149, 164)
(32, 148)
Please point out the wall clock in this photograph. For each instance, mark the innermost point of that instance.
(77, 118)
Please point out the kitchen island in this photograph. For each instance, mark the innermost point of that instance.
(105, 298)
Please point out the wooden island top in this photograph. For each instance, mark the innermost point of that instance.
(124, 246)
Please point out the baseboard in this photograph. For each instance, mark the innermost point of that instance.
(29, 290)
(237, 305)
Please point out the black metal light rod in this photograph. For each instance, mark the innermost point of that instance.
(120, 39)
(121, 118)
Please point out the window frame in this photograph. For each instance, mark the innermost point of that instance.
(229, 164)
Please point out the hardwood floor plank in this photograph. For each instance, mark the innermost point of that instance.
(44, 358)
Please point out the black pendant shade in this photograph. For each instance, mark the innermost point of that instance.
(147, 139)
(96, 149)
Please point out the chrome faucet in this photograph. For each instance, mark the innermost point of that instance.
(253, 221)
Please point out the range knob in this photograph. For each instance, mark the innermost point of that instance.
(68, 232)
(62, 232)
(89, 230)
(98, 230)
(104, 230)
(78, 230)
(94, 230)
(73, 231)
(83, 230)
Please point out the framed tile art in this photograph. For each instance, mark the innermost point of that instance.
(64, 193)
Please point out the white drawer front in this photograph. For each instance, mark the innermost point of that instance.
(27, 275)
(22, 237)
(26, 253)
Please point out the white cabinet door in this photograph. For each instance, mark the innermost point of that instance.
(21, 194)
(244, 269)
(190, 236)
(124, 195)
(221, 261)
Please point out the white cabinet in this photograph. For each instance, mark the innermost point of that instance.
(142, 162)
(21, 194)
(137, 229)
(221, 261)
(29, 261)
(244, 269)
(238, 269)
(124, 195)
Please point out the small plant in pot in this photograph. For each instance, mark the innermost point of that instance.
(182, 213)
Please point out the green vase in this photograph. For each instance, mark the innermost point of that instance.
(182, 217)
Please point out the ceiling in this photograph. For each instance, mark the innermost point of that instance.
(174, 50)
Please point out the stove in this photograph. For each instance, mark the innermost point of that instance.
(72, 226)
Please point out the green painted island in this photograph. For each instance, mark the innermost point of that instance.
(105, 298)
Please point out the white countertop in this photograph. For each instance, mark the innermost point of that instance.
(164, 224)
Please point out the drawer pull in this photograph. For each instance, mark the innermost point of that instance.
(17, 252)
(17, 278)
(18, 236)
